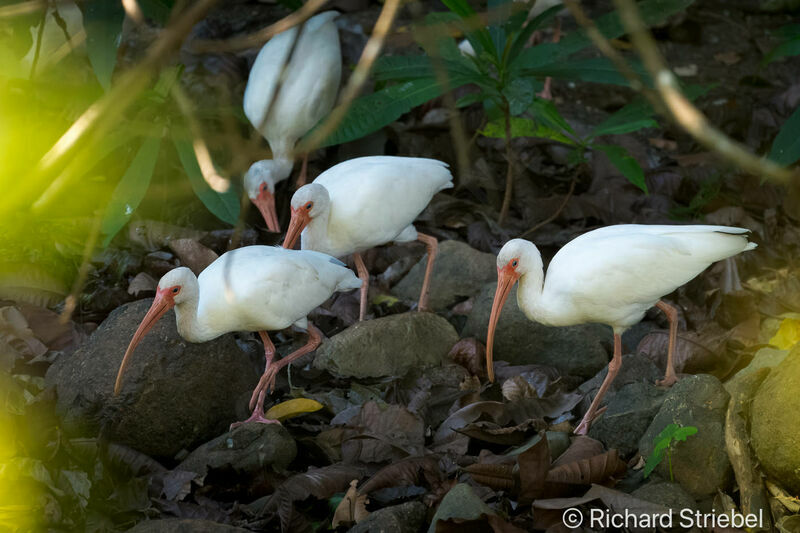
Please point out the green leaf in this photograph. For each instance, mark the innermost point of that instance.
(684, 432)
(521, 40)
(478, 35)
(667, 433)
(519, 94)
(785, 49)
(374, 111)
(523, 127)
(652, 462)
(470, 98)
(626, 164)
(546, 111)
(786, 146)
(636, 114)
(131, 189)
(652, 12)
(592, 70)
(225, 206)
(103, 23)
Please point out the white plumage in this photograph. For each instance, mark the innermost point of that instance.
(307, 94)
(255, 288)
(611, 276)
(366, 202)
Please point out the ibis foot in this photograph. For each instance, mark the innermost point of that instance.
(589, 417)
(257, 416)
(668, 381)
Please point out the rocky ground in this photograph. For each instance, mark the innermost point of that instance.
(411, 436)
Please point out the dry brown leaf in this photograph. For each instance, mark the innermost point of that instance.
(728, 58)
(534, 464)
(471, 354)
(582, 447)
(702, 350)
(193, 254)
(142, 282)
(588, 471)
(16, 338)
(48, 327)
(352, 508)
(153, 235)
(664, 144)
(407, 472)
(517, 388)
(496, 476)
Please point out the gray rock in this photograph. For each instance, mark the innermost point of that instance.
(700, 464)
(630, 411)
(576, 350)
(667, 494)
(774, 431)
(388, 346)
(407, 517)
(636, 368)
(766, 357)
(248, 449)
(183, 525)
(458, 272)
(175, 394)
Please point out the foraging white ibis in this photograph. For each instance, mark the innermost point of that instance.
(611, 276)
(255, 288)
(366, 202)
(307, 91)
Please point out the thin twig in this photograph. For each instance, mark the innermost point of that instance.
(102, 115)
(22, 8)
(38, 43)
(71, 302)
(258, 38)
(557, 211)
(357, 78)
(683, 111)
(506, 207)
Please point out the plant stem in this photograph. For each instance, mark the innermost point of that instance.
(510, 172)
(669, 461)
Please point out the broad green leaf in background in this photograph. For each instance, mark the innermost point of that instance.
(636, 114)
(374, 111)
(103, 23)
(521, 40)
(546, 111)
(626, 164)
(131, 189)
(592, 69)
(786, 146)
(652, 12)
(225, 206)
(524, 127)
(477, 35)
(519, 94)
(785, 49)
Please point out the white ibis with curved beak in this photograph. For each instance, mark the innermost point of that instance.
(611, 276)
(308, 86)
(366, 202)
(255, 288)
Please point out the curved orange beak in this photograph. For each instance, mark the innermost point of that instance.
(162, 303)
(265, 202)
(300, 219)
(506, 278)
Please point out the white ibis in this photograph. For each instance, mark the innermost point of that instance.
(307, 91)
(611, 276)
(366, 202)
(255, 288)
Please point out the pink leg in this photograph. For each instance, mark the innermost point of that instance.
(267, 381)
(258, 411)
(672, 315)
(433, 247)
(301, 178)
(546, 92)
(363, 274)
(613, 370)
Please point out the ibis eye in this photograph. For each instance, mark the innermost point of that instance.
(176, 290)
(514, 263)
(309, 205)
(264, 187)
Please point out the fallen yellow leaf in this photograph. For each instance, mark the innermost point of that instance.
(290, 408)
(788, 334)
